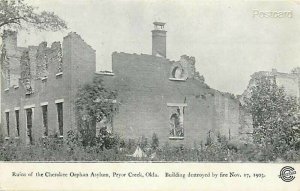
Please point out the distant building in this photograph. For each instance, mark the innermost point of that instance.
(289, 81)
(155, 95)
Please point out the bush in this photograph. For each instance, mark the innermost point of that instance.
(56, 149)
(112, 148)
(155, 142)
(275, 120)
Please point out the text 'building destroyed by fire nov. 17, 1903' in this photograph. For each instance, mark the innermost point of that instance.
(155, 95)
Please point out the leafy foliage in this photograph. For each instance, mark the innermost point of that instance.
(94, 103)
(16, 14)
(55, 149)
(155, 142)
(143, 142)
(72, 149)
(274, 117)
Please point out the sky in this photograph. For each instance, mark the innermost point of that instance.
(227, 40)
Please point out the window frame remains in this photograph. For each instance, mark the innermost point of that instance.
(177, 130)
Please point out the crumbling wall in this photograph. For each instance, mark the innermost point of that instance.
(46, 57)
(32, 51)
(188, 63)
(228, 114)
(13, 54)
(55, 56)
(145, 89)
(289, 81)
(42, 61)
(48, 75)
(5, 70)
(80, 65)
(9, 38)
(26, 77)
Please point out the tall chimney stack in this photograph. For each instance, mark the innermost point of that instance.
(159, 38)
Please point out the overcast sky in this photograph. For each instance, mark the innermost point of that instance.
(228, 42)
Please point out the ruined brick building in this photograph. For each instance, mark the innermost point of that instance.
(289, 81)
(39, 84)
(169, 98)
(155, 95)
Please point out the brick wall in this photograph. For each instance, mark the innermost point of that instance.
(80, 59)
(144, 84)
(55, 73)
(144, 89)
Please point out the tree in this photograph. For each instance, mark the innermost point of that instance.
(94, 103)
(143, 142)
(16, 14)
(296, 70)
(155, 141)
(274, 115)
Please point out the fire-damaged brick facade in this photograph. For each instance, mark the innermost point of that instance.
(170, 98)
(155, 95)
(150, 96)
(39, 86)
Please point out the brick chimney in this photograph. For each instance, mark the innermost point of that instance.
(159, 38)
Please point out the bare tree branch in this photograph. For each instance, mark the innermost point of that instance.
(11, 21)
(16, 13)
